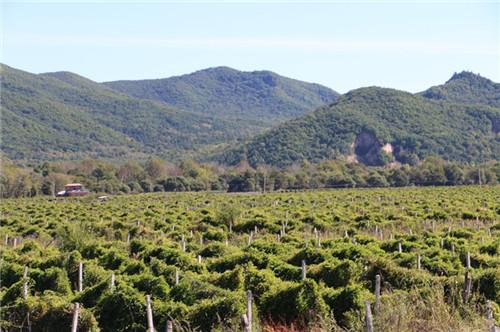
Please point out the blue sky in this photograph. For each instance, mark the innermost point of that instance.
(344, 45)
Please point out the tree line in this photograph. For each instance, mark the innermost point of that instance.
(156, 175)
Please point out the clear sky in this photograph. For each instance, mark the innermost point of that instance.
(343, 45)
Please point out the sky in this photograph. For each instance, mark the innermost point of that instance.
(406, 45)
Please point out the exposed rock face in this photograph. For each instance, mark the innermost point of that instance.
(368, 148)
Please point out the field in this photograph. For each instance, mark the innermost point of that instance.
(310, 260)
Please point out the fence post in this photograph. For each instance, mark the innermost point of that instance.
(249, 310)
(170, 327)
(377, 293)
(244, 322)
(25, 285)
(149, 313)
(80, 277)
(489, 317)
(467, 286)
(183, 243)
(368, 317)
(76, 312)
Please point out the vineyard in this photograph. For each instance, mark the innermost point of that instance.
(407, 259)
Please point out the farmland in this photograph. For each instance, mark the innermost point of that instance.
(309, 258)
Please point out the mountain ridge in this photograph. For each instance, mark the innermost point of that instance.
(361, 122)
(233, 93)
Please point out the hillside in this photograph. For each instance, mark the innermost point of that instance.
(466, 88)
(234, 94)
(375, 125)
(66, 116)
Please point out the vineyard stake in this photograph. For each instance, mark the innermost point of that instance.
(80, 277)
(25, 285)
(467, 260)
(169, 326)
(76, 312)
(304, 271)
(112, 283)
(368, 318)
(183, 243)
(419, 258)
(176, 276)
(377, 293)
(149, 313)
(489, 317)
(467, 287)
(249, 309)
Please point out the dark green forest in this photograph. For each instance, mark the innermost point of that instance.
(156, 175)
(224, 115)
(234, 94)
(362, 121)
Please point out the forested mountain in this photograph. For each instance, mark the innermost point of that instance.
(376, 126)
(466, 88)
(64, 116)
(234, 94)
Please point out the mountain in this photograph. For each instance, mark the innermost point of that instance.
(66, 116)
(376, 125)
(233, 94)
(466, 88)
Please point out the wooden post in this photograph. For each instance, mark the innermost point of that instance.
(467, 260)
(80, 277)
(467, 287)
(169, 327)
(15, 242)
(183, 243)
(400, 247)
(378, 302)
(128, 237)
(230, 227)
(199, 259)
(201, 239)
(76, 312)
(304, 271)
(419, 265)
(112, 283)
(6, 240)
(368, 317)
(244, 322)
(489, 317)
(25, 285)
(149, 313)
(249, 310)
(250, 238)
(176, 276)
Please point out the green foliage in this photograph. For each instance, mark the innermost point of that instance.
(224, 91)
(362, 121)
(441, 224)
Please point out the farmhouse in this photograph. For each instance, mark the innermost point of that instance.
(72, 189)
